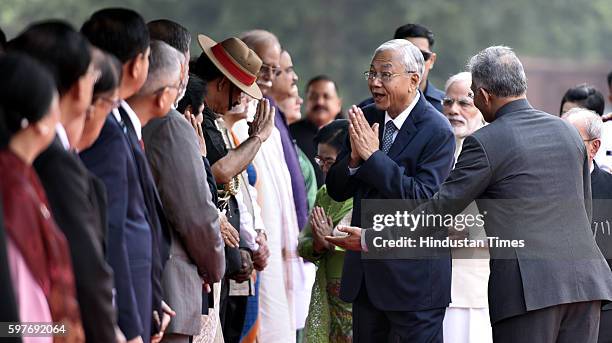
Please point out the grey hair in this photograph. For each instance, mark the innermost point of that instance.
(459, 77)
(499, 72)
(164, 67)
(253, 38)
(592, 121)
(411, 56)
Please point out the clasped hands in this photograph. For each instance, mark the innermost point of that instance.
(363, 138)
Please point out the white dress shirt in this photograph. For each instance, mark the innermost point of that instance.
(133, 118)
(63, 136)
(604, 155)
(398, 122)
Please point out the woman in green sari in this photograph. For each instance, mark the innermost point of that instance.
(329, 318)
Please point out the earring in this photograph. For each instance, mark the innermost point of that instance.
(24, 123)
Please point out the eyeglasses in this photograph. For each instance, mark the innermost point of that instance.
(426, 55)
(114, 103)
(384, 76)
(267, 69)
(463, 102)
(323, 161)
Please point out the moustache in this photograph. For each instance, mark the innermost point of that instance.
(318, 108)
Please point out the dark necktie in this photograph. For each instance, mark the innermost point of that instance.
(387, 141)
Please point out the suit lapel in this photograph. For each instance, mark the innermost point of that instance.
(404, 136)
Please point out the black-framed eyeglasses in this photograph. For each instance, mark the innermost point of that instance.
(463, 101)
(384, 76)
(426, 55)
(321, 161)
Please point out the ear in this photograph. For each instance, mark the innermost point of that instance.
(74, 92)
(416, 80)
(595, 145)
(432, 60)
(222, 83)
(133, 67)
(485, 95)
(162, 98)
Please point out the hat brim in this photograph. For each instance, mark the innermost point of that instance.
(206, 44)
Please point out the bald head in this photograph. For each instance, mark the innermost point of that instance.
(589, 125)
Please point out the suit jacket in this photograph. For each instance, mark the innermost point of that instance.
(196, 251)
(71, 196)
(128, 234)
(601, 185)
(417, 163)
(528, 171)
(160, 232)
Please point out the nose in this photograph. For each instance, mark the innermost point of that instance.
(455, 109)
(375, 82)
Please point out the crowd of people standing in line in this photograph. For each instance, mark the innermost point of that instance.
(148, 196)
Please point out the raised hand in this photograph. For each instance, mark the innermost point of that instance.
(322, 226)
(364, 139)
(264, 121)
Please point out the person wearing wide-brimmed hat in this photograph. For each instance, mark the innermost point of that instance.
(229, 69)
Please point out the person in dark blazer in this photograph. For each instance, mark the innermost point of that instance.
(171, 149)
(67, 182)
(529, 171)
(134, 222)
(394, 300)
(589, 126)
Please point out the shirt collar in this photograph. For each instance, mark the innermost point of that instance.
(401, 118)
(63, 136)
(133, 118)
(513, 106)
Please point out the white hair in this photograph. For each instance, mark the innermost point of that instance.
(498, 70)
(591, 120)
(411, 56)
(164, 66)
(460, 77)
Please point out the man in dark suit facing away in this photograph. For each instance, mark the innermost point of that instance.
(131, 229)
(394, 300)
(70, 187)
(589, 125)
(529, 171)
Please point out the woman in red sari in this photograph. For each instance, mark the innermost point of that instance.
(39, 259)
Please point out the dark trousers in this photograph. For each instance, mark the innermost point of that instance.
(373, 325)
(566, 323)
(605, 327)
(232, 313)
